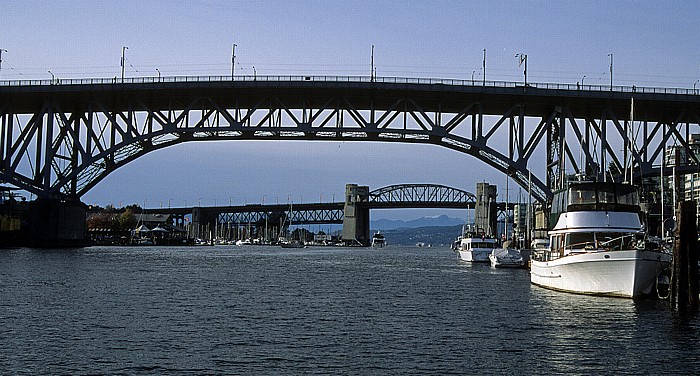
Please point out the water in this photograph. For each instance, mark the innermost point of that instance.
(260, 310)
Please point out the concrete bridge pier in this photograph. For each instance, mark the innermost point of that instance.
(486, 210)
(203, 222)
(356, 216)
(55, 223)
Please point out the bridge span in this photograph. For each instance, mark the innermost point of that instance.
(59, 138)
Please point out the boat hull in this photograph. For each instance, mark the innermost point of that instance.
(627, 274)
(506, 261)
(475, 255)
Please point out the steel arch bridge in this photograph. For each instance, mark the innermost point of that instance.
(420, 196)
(59, 138)
(393, 196)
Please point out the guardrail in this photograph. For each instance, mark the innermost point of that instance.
(350, 79)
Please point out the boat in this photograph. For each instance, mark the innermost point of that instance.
(598, 245)
(293, 244)
(506, 258)
(378, 240)
(475, 245)
(242, 242)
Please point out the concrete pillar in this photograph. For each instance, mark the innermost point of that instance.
(485, 212)
(356, 217)
(55, 224)
(202, 222)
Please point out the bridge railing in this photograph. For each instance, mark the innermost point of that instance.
(349, 79)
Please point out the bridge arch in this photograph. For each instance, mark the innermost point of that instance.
(60, 139)
(420, 195)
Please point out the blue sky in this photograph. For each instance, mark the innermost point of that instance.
(654, 44)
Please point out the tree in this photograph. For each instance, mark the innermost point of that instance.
(126, 221)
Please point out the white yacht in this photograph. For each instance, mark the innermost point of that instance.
(475, 246)
(598, 245)
(378, 240)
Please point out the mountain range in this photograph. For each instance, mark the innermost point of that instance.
(435, 221)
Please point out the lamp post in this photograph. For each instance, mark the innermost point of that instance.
(696, 82)
(1, 51)
(233, 60)
(371, 72)
(611, 71)
(255, 74)
(158, 70)
(53, 77)
(584, 77)
(124, 48)
(523, 59)
(484, 66)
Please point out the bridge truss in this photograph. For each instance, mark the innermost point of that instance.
(60, 138)
(305, 214)
(420, 195)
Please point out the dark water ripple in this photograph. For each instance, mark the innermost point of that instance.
(260, 310)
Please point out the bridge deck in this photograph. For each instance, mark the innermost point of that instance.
(313, 92)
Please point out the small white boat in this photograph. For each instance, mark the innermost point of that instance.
(242, 242)
(506, 258)
(475, 245)
(378, 240)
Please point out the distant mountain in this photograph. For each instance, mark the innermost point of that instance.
(433, 235)
(436, 221)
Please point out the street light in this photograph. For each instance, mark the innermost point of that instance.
(255, 74)
(484, 63)
(696, 82)
(233, 59)
(584, 77)
(53, 78)
(123, 52)
(1, 51)
(158, 70)
(611, 71)
(523, 59)
(371, 72)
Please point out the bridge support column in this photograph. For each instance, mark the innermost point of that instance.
(356, 217)
(202, 223)
(485, 212)
(56, 224)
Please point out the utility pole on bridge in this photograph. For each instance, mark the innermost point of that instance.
(123, 62)
(233, 60)
(1, 51)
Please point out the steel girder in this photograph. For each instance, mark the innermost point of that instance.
(62, 149)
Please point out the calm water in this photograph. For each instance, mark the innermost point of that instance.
(258, 310)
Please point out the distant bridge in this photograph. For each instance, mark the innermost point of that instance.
(391, 197)
(59, 138)
(353, 213)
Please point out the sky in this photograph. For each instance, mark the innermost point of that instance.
(653, 43)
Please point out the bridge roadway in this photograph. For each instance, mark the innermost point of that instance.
(59, 138)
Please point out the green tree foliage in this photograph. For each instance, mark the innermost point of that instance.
(126, 220)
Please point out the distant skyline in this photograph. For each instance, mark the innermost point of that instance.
(653, 44)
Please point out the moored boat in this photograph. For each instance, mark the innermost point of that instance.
(475, 245)
(598, 245)
(506, 258)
